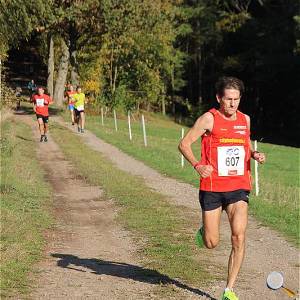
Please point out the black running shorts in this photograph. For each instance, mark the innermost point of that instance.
(213, 200)
(45, 118)
(77, 112)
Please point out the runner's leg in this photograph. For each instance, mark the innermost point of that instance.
(72, 116)
(238, 218)
(46, 128)
(211, 224)
(41, 126)
(76, 115)
(82, 120)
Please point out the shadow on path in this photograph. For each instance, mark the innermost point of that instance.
(123, 270)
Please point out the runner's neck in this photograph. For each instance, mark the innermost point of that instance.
(226, 117)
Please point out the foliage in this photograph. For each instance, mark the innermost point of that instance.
(166, 53)
(18, 19)
(136, 50)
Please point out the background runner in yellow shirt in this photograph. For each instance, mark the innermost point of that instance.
(79, 100)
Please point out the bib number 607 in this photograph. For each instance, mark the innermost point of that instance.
(232, 161)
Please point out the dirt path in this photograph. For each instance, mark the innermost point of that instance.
(89, 256)
(266, 250)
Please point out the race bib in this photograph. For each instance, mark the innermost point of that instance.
(231, 160)
(80, 107)
(40, 102)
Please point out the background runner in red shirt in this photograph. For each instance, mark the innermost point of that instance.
(40, 106)
(71, 101)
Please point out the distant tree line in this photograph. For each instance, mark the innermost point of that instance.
(165, 55)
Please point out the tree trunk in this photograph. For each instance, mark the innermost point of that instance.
(199, 62)
(163, 105)
(61, 75)
(50, 67)
(73, 37)
(74, 68)
(148, 108)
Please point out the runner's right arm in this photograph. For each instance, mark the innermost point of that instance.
(203, 124)
(34, 104)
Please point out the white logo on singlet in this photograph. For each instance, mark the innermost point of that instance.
(240, 132)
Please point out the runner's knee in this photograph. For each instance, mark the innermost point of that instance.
(238, 240)
(211, 242)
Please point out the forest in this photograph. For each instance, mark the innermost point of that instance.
(166, 55)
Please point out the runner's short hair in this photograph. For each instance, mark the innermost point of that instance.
(229, 83)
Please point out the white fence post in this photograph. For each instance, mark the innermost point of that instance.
(102, 119)
(115, 117)
(182, 157)
(144, 131)
(129, 126)
(256, 171)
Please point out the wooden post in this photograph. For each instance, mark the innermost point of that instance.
(102, 118)
(182, 157)
(256, 171)
(129, 127)
(115, 117)
(144, 131)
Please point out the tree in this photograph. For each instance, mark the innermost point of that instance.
(136, 50)
(62, 74)
(50, 79)
(18, 19)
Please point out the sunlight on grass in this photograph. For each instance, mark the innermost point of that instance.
(24, 201)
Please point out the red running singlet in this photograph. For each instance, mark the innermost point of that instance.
(227, 150)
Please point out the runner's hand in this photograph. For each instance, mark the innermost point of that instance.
(204, 170)
(259, 157)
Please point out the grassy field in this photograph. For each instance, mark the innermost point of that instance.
(277, 204)
(165, 232)
(24, 204)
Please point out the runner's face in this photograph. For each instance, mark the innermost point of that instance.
(40, 91)
(229, 102)
(79, 91)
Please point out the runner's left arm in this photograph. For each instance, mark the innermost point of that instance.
(258, 156)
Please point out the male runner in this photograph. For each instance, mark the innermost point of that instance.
(40, 106)
(79, 99)
(71, 102)
(224, 170)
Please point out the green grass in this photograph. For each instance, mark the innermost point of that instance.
(24, 199)
(277, 204)
(166, 233)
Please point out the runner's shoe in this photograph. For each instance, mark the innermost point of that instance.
(78, 129)
(229, 295)
(42, 138)
(45, 139)
(199, 238)
(73, 123)
(82, 130)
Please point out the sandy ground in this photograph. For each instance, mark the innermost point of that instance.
(266, 249)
